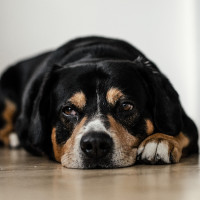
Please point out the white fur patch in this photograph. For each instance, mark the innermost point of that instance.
(154, 151)
(120, 159)
(163, 152)
(149, 151)
(14, 141)
(140, 150)
(98, 102)
(95, 125)
(73, 160)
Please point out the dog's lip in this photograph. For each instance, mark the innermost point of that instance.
(103, 163)
(109, 166)
(96, 167)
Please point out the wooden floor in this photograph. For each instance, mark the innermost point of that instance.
(23, 176)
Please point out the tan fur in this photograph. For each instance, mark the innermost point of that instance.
(70, 142)
(125, 138)
(57, 149)
(149, 127)
(113, 95)
(182, 140)
(78, 99)
(125, 144)
(7, 115)
(67, 148)
(175, 144)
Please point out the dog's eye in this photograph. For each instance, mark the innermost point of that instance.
(126, 106)
(69, 111)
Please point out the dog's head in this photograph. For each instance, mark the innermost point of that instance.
(96, 114)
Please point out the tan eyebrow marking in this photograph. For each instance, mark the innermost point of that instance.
(113, 95)
(78, 99)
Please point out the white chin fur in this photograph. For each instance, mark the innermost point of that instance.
(73, 159)
(121, 160)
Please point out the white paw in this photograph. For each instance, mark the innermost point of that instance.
(154, 152)
(158, 149)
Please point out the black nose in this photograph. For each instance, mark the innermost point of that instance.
(96, 144)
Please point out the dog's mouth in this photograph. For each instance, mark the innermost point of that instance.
(104, 163)
(104, 167)
(94, 166)
(108, 162)
(114, 159)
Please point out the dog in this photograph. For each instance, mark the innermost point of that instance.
(95, 103)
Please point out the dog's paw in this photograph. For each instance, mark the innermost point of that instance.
(14, 141)
(159, 149)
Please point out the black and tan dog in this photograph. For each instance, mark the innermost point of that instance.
(95, 103)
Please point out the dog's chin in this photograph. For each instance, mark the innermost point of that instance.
(98, 164)
(104, 163)
(90, 165)
(104, 166)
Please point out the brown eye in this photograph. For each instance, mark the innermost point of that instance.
(127, 106)
(69, 111)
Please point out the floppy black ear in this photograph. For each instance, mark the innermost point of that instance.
(34, 122)
(167, 111)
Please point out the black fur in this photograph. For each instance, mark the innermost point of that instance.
(40, 86)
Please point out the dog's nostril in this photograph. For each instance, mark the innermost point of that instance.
(96, 145)
(88, 147)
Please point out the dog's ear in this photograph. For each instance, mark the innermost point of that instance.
(34, 122)
(167, 111)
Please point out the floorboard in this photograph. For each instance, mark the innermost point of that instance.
(23, 176)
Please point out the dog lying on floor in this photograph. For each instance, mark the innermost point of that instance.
(95, 103)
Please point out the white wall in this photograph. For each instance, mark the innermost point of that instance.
(198, 61)
(165, 30)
